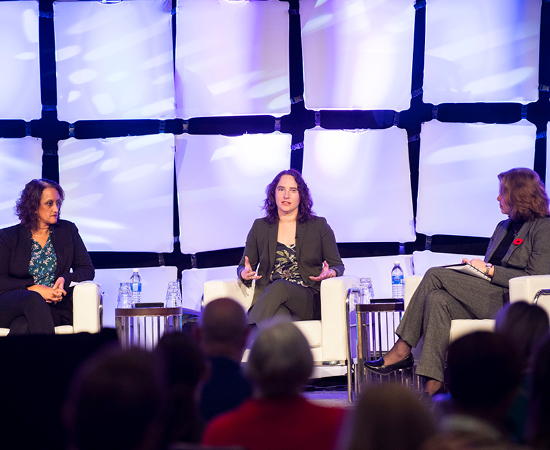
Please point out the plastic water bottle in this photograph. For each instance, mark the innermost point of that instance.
(135, 280)
(397, 282)
(365, 288)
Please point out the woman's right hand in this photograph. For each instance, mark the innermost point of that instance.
(51, 295)
(247, 273)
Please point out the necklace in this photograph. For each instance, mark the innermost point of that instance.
(42, 235)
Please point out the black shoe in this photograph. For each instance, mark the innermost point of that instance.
(378, 366)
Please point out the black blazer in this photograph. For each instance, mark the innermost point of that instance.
(315, 243)
(15, 255)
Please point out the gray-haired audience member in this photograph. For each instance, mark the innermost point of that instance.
(223, 333)
(483, 379)
(117, 401)
(279, 365)
(390, 416)
(525, 325)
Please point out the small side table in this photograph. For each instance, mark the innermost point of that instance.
(376, 324)
(145, 326)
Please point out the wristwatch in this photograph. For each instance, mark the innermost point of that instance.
(487, 269)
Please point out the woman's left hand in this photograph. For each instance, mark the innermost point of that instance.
(325, 273)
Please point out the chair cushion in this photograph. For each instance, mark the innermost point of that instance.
(312, 331)
(460, 327)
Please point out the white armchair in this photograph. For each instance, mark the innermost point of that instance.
(521, 289)
(87, 311)
(327, 337)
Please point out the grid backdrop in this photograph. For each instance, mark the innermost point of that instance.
(164, 121)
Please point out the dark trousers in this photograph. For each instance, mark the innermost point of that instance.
(26, 312)
(444, 295)
(284, 298)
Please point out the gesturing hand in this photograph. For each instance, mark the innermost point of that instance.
(325, 273)
(247, 273)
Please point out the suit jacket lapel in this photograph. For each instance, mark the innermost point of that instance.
(273, 232)
(301, 229)
(522, 234)
(496, 241)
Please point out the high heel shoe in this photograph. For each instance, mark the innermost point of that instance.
(378, 365)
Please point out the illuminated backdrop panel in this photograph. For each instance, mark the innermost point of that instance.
(358, 54)
(114, 61)
(459, 164)
(360, 183)
(20, 161)
(232, 58)
(482, 51)
(20, 76)
(221, 186)
(119, 191)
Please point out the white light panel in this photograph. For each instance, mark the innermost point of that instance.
(20, 162)
(357, 53)
(482, 51)
(459, 164)
(232, 58)
(114, 61)
(119, 191)
(360, 182)
(221, 186)
(20, 86)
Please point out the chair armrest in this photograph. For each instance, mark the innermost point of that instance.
(525, 288)
(333, 316)
(232, 287)
(87, 307)
(411, 283)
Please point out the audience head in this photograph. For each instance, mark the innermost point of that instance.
(117, 401)
(306, 203)
(280, 361)
(537, 429)
(28, 203)
(523, 192)
(483, 374)
(524, 324)
(390, 416)
(186, 371)
(223, 329)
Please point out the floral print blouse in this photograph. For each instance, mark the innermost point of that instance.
(43, 263)
(286, 265)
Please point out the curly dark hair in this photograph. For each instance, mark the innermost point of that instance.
(523, 191)
(306, 203)
(26, 207)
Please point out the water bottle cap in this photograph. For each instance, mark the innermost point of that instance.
(396, 263)
(136, 270)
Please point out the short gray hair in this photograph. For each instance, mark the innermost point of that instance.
(280, 360)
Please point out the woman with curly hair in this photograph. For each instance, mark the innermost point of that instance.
(288, 252)
(39, 258)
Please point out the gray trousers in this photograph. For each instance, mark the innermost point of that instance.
(444, 295)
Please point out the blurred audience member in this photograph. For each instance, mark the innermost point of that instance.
(483, 379)
(390, 416)
(279, 365)
(223, 332)
(537, 427)
(180, 355)
(117, 401)
(525, 325)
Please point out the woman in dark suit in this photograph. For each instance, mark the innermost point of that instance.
(519, 246)
(288, 252)
(39, 258)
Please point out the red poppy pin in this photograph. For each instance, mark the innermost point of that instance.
(518, 241)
